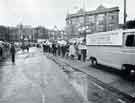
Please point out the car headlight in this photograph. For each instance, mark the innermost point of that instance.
(132, 71)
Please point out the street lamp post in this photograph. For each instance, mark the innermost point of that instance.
(82, 28)
(84, 15)
(125, 13)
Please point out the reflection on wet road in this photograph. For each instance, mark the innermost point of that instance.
(35, 79)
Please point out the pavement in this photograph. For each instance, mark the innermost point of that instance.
(35, 79)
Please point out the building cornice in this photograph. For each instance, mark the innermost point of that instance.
(94, 12)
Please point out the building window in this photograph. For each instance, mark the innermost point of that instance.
(112, 18)
(100, 19)
(90, 20)
(100, 28)
(110, 27)
(81, 20)
(74, 21)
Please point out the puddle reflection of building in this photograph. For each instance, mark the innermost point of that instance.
(79, 82)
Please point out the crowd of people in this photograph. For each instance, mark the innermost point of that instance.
(4, 49)
(67, 50)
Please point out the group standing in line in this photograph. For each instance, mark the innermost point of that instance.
(68, 50)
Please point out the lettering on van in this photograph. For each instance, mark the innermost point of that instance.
(105, 38)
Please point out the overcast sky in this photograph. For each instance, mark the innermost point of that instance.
(52, 12)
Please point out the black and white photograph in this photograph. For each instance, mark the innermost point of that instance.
(67, 51)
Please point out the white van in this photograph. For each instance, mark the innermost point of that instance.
(114, 49)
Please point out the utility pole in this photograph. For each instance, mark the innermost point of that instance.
(125, 13)
(84, 21)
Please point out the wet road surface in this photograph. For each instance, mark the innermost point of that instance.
(35, 79)
(90, 87)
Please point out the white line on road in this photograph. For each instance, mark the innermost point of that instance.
(121, 101)
(97, 85)
(43, 98)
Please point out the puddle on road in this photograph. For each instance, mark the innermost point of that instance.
(88, 89)
(78, 80)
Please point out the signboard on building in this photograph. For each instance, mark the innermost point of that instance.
(105, 38)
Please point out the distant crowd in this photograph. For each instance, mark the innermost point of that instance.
(64, 49)
(67, 50)
(4, 49)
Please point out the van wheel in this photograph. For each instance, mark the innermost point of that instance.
(93, 62)
(124, 70)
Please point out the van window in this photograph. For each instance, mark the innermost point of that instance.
(130, 42)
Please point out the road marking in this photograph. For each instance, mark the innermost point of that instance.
(97, 85)
(121, 101)
(43, 98)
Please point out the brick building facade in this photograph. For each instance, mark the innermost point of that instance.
(99, 20)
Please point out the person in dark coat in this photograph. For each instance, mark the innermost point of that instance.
(1, 52)
(63, 50)
(44, 48)
(78, 52)
(59, 50)
(27, 47)
(55, 49)
(12, 51)
(67, 50)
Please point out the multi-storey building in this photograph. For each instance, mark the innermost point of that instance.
(13, 34)
(99, 20)
(4, 35)
(57, 34)
(26, 33)
(42, 32)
